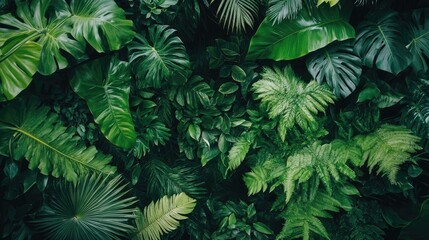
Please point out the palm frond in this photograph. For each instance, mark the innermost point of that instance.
(163, 216)
(165, 180)
(37, 135)
(387, 148)
(415, 115)
(238, 15)
(93, 208)
(280, 10)
(287, 97)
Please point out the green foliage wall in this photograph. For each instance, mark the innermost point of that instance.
(221, 119)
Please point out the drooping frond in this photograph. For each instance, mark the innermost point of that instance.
(280, 10)
(302, 218)
(416, 116)
(37, 135)
(165, 180)
(163, 216)
(321, 161)
(238, 15)
(94, 208)
(287, 97)
(387, 148)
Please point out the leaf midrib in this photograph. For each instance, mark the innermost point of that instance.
(40, 141)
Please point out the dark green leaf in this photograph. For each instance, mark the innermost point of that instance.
(263, 228)
(238, 74)
(228, 88)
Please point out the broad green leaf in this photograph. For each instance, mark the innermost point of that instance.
(263, 228)
(194, 131)
(338, 66)
(37, 135)
(419, 39)
(238, 74)
(105, 86)
(17, 69)
(417, 229)
(50, 29)
(228, 88)
(294, 38)
(163, 216)
(370, 92)
(380, 43)
(101, 23)
(161, 56)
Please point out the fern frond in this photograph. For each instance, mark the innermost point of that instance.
(302, 218)
(163, 216)
(238, 15)
(94, 208)
(239, 150)
(280, 10)
(256, 180)
(286, 96)
(330, 2)
(38, 136)
(387, 148)
(165, 180)
(315, 161)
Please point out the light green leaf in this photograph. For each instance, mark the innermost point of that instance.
(101, 23)
(105, 85)
(294, 38)
(163, 216)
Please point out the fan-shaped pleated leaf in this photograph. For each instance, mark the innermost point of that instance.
(287, 97)
(163, 216)
(93, 208)
(280, 10)
(387, 148)
(159, 56)
(419, 39)
(380, 43)
(105, 85)
(37, 135)
(101, 23)
(338, 66)
(238, 15)
(291, 38)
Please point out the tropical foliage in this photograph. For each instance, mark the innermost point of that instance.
(220, 119)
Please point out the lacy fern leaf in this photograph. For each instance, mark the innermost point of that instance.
(302, 218)
(163, 216)
(239, 150)
(387, 148)
(284, 95)
(316, 160)
(34, 133)
(237, 15)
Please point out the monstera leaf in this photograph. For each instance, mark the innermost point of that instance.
(290, 39)
(160, 56)
(105, 85)
(419, 43)
(31, 132)
(338, 66)
(102, 23)
(380, 43)
(20, 57)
